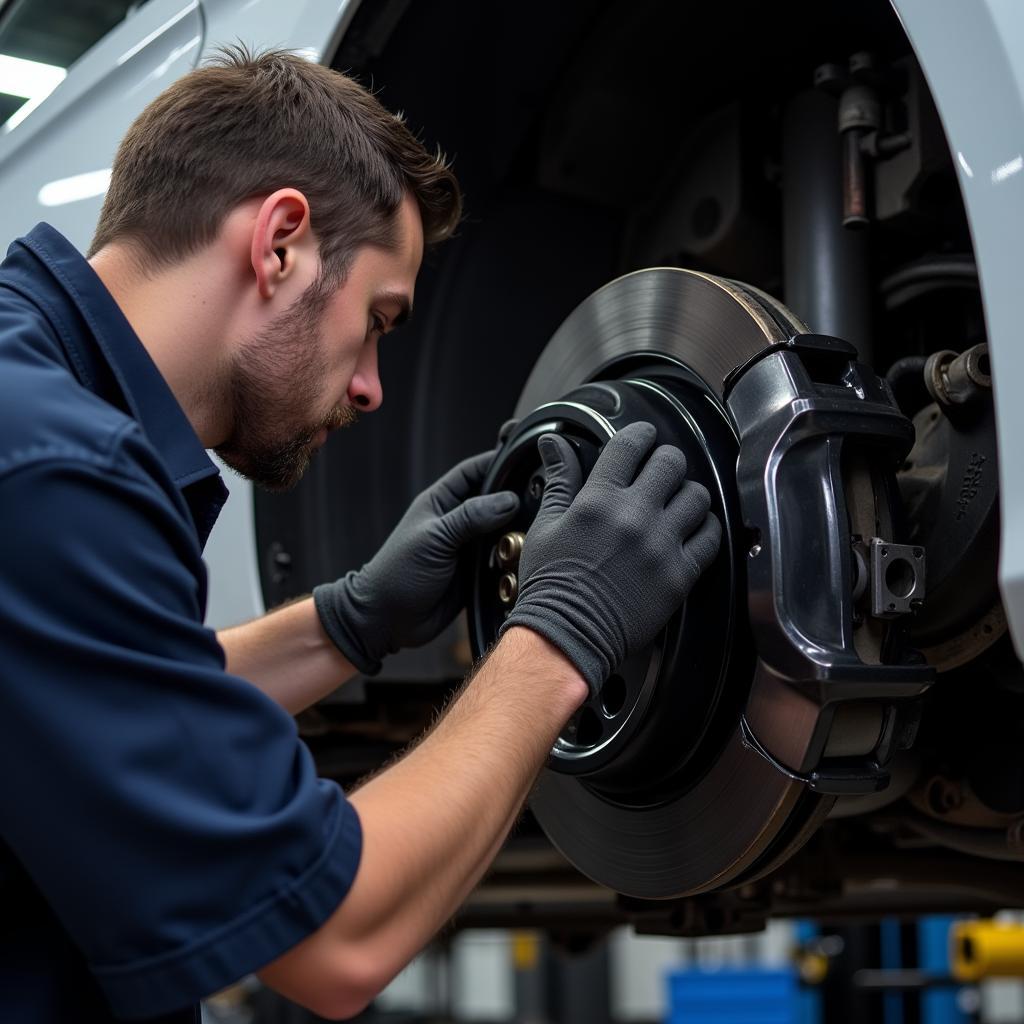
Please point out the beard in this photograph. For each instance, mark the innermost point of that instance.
(275, 379)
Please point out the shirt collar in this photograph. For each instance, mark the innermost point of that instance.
(110, 351)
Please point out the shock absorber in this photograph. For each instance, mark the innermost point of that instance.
(825, 264)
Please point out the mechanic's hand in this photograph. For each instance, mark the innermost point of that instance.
(409, 591)
(604, 566)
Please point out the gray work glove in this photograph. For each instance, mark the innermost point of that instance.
(605, 565)
(409, 591)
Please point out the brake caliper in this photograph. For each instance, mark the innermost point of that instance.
(829, 590)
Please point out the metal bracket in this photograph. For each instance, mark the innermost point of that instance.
(897, 578)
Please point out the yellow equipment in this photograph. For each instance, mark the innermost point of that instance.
(986, 949)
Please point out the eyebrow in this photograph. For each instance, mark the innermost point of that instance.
(400, 300)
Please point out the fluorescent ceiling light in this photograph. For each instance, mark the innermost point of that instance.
(1011, 167)
(78, 186)
(30, 79)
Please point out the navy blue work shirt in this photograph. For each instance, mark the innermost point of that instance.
(162, 828)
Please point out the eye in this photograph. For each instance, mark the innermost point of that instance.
(379, 323)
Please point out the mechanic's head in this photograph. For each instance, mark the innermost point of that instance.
(320, 200)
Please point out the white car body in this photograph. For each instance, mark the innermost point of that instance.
(973, 58)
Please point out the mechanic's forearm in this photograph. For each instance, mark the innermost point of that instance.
(287, 655)
(433, 821)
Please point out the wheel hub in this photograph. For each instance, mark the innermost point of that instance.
(614, 741)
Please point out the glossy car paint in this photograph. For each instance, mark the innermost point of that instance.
(973, 57)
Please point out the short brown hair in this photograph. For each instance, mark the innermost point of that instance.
(248, 123)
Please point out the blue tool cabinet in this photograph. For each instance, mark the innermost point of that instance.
(730, 995)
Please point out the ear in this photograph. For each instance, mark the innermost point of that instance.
(282, 223)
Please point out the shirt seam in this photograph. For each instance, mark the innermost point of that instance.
(62, 330)
(22, 460)
(118, 972)
(83, 308)
(40, 251)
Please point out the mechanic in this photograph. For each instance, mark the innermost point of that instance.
(162, 829)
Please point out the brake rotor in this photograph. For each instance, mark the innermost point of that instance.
(651, 789)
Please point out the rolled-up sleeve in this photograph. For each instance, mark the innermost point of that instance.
(167, 810)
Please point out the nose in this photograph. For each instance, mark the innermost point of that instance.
(365, 391)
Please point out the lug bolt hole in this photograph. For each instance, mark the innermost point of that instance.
(588, 728)
(613, 695)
